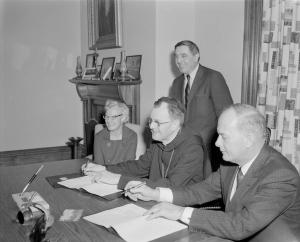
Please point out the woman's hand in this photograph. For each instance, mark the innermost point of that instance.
(89, 168)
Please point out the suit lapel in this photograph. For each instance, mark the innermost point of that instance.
(251, 176)
(181, 88)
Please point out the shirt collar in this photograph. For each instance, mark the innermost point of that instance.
(246, 166)
(192, 75)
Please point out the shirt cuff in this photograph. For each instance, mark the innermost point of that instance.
(165, 195)
(186, 215)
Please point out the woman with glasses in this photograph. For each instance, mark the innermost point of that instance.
(116, 142)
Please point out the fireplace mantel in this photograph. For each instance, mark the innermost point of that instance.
(94, 93)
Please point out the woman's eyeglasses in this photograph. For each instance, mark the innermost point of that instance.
(112, 117)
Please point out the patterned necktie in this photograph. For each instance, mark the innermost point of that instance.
(187, 90)
(239, 177)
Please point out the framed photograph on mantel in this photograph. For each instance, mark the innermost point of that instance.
(104, 24)
(107, 68)
(91, 60)
(89, 73)
(117, 72)
(133, 64)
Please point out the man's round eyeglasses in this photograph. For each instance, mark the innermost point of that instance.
(106, 117)
(157, 123)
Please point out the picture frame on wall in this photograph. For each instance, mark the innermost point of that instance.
(104, 24)
(133, 64)
(107, 68)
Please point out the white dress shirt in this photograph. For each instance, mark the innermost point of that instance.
(166, 195)
(192, 77)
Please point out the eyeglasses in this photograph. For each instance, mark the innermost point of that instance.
(157, 123)
(111, 117)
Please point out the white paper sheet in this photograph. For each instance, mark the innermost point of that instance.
(76, 183)
(111, 217)
(86, 183)
(142, 230)
(101, 189)
(132, 226)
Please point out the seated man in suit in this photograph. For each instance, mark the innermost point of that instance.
(174, 158)
(259, 186)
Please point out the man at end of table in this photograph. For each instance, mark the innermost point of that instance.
(259, 186)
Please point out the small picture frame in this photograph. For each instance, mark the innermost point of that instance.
(117, 72)
(89, 73)
(107, 68)
(133, 64)
(91, 61)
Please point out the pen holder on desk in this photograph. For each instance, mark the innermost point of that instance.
(41, 219)
(28, 216)
(42, 225)
(31, 206)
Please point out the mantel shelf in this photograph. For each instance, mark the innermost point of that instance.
(101, 82)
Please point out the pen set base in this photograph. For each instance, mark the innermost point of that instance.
(31, 206)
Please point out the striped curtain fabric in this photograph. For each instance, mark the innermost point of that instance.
(278, 96)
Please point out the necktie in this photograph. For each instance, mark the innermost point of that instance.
(187, 90)
(239, 177)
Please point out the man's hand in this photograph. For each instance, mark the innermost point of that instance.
(145, 193)
(107, 177)
(91, 168)
(166, 210)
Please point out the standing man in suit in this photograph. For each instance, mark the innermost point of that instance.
(259, 186)
(203, 91)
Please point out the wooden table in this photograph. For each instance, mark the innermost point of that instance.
(13, 180)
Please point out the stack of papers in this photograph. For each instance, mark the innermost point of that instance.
(87, 183)
(129, 222)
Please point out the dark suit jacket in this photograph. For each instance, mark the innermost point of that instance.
(208, 96)
(265, 207)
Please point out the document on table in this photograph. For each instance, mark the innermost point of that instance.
(86, 183)
(132, 226)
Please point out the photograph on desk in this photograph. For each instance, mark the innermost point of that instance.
(133, 64)
(107, 68)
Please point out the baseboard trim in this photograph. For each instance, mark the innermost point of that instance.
(19, 157)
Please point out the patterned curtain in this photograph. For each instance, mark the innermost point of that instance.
(278, 95)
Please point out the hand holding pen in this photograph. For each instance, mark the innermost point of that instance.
(128, 189)
(31, 179)
(136, 190)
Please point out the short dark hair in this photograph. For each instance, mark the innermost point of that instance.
(191, 45)
(175, 107)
